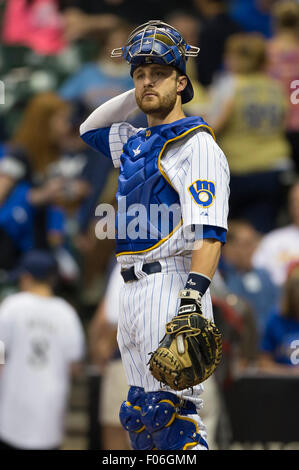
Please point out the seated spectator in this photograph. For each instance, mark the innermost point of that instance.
(281, 246)
(248, 113)
(236, 320)
(14, 167)
(36, 143)
(41, 132)
(18, 214)
(44, 342)
(36, 24)
(283, 64)
(281, 338)
(16, 226)
(244, 280)
(44, 136)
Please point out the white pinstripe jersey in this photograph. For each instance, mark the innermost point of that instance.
(194, 157)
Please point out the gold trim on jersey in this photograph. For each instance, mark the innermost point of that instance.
(154, 246)
(168, 181)
(189, 444)
(139, 409)
(177, 138)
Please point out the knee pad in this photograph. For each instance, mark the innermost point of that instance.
(130, 418)
(166, 418)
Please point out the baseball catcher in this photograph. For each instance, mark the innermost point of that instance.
(173, 167)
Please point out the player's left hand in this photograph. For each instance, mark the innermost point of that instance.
(191, 348)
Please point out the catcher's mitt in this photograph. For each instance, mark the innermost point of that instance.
(191, 348)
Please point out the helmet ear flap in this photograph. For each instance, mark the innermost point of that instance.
(187, 91)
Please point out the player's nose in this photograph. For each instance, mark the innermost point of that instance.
(148, 81)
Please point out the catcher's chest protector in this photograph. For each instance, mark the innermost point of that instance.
(142, 182)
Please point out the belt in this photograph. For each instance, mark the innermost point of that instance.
(149, 268)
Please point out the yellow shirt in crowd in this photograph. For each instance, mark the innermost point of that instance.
(253, 138)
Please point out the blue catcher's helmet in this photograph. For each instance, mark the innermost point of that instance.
(159, 43)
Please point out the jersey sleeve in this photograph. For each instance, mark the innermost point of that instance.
(118, 136)
(198, 171)
(110, 140)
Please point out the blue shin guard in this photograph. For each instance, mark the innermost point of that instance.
(131, 420)
(166, 418)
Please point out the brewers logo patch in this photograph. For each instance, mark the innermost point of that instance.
(203, 192)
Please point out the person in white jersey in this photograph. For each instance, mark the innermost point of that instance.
(44, 343)
(173, 167)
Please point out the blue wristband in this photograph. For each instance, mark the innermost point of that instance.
(198, 282)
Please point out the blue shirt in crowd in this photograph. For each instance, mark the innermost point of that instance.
(251, 17)
(93, 86)
(18, 215)
(254, 286)
(281, 338)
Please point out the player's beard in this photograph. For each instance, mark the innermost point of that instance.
(159, 105)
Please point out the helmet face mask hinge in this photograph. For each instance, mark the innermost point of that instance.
(118, 52)
(158, 42)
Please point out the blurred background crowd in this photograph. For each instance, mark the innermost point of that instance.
(56, 68)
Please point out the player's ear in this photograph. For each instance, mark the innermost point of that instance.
(181, 83)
